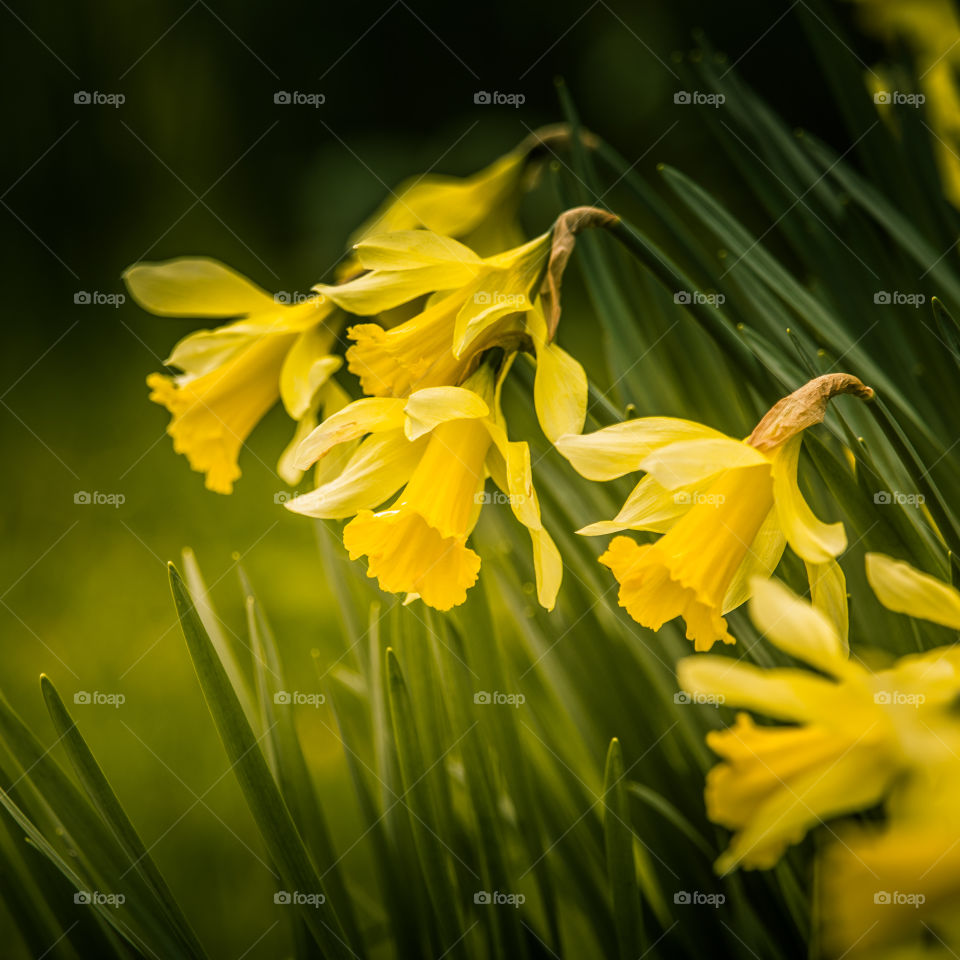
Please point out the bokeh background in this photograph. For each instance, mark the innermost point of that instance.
(200, 160)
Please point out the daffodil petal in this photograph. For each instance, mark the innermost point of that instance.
(412, 249)
(427, 408)
(649, 507)
(856, 783)
(796, 627)
(619, 449)
(380, 466)
(451, 206)
(792, 695)
(509, 465)
(306, 367)
(689, 462)
(761, 560)
(828, 591)
(195, 287)
(382, 290)
(548, 566)
(367, 415)
(810, 538)
(904, 589)
(559, 392)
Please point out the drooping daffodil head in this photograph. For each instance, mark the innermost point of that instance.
(232, 375)
(851, 738)
(726, 509)
(433, 451)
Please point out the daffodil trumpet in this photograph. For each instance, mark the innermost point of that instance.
(726, 509)
(232, 375)
(434, 450)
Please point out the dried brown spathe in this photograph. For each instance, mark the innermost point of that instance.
(804, 408)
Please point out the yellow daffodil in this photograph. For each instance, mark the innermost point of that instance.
(480, 209)
(438, 445)
(507, 300)
(896, 885)
(931, 29)
(726, 509)
(232, 375)
(856, 734)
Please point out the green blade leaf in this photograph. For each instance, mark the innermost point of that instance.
(259, 789)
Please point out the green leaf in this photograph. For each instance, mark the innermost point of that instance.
(618, 840)
(270, 812)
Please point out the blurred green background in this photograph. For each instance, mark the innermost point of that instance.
(200, 160)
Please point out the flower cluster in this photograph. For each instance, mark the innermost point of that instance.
(393, 376)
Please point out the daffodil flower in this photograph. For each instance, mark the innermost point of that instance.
(507, 300)
(726, 509)
(438, 445)
(232, 375)
(893, 885)
(480, 209)
(855, 736)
